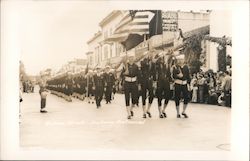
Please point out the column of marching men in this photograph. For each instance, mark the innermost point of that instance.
(146, 80)
(91, 85)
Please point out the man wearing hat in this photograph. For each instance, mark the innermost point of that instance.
(99, 86)
(130, 78)
(181, 79)
(146, 81)
(163, 77)
(109, 83)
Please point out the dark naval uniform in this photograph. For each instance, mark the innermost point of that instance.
(146, 78)
(130, 78)
(99, 88)
(83, 85)
(90, 85)
(146, 81)
(181, 82)
(163, 77)
(69, 87)
(109, 84)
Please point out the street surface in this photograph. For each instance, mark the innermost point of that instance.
(79, 125)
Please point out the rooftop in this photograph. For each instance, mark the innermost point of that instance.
(109, 17)
(96, 35)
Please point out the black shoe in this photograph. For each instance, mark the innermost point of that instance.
(178, 116)
(144, 116)
(132, 113)
(89, 102)
(161, 116)
(185, 115)
(106, 102)
(164, 114)
(129, 117)
(43, 111)
(149, 114)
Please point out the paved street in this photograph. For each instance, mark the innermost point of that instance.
(78, 124)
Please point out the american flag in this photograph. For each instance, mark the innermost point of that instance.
(133, 22)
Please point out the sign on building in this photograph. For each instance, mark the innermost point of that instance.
(169, 21)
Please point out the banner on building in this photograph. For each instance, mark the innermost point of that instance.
(169, 21)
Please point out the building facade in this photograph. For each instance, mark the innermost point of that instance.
(102, 53)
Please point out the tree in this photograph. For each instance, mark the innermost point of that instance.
(192, 51)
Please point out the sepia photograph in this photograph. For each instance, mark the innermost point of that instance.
(121, 78)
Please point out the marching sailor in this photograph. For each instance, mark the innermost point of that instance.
(130, 78)
(98, 86)
(181, 79)
(109, 84)
(163, 77)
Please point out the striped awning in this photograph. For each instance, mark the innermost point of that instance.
(131, 24)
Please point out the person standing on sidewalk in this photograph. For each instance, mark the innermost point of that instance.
(226, 87)
(182, 79)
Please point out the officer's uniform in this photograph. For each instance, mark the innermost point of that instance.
(163, 77)
(99, 88)
(109, 83)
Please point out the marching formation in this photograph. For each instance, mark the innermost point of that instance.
(148, 79)
(151, 79)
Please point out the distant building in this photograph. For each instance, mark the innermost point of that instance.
(102, 53)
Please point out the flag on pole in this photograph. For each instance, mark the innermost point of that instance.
(133, 22)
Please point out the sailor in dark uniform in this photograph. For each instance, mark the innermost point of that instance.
(69, 86)
(114, 89)
(90, 87)
(146, 81)
(182, 80)
(130, 78)
(109, 84)
(163, 77)
(83, 85)
(99, 87)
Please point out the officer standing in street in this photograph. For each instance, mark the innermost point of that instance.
(130, 78)
(99, 87)
(109, 83)
(181, 79)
